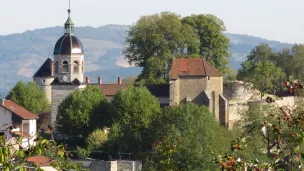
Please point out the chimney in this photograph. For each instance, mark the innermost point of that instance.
(2, 101)
(119, 80)
(88, 80)
(99, 80)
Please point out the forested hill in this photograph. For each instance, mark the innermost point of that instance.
(22, 54)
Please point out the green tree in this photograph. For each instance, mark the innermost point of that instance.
(213, 44)
(161, 37)
(266, 77)
(261, 53)
(184, 137)
(133, 110)
(279, 145)
(260, 70)
(82, 111)
(297, 61)
(153, 73)
(30, 97)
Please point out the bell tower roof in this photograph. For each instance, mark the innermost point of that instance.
(68, 44)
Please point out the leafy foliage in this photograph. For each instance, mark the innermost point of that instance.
(260, 70)
(281, 132)
(96, 139)
(12, 158)
(82, 111)
(30, 97)
(213, 45)
(184, 137)
(133, 110)
(156, 39)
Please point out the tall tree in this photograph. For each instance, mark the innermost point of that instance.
(297, 61)
(260, 53)
(82, 112)
(261, 71)
(213, 44)
(133, 110)
(30, 97)
(188, 133)
(165, 36)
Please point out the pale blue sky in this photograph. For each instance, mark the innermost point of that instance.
(281, 20)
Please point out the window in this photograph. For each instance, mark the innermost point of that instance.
(188, 99)
(65, 67)
(76, 67)
(43, 81)
(56, 67)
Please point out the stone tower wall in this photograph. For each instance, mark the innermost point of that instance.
(59, 93)
(192, 87)
(70, 59)
(45, 86)
(215, 89)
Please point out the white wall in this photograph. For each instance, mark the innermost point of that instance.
(5, 118)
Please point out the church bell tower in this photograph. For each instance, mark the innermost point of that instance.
(68, 56)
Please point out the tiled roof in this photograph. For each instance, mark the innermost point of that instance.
(111, 89)
(46, 69)
(192, 67)
(18, 110)
(40, 161)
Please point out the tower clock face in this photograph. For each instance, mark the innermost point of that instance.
(65, 78)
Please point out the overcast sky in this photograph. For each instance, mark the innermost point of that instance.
(281, 20)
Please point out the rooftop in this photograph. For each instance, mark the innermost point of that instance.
(18, 110)
(192, 67)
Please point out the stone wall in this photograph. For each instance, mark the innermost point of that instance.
(240, 91)
(223, 110)
(191, 87)
(59, 93)
(45, 86)
(116, 166)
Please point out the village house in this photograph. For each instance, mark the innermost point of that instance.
(15, 121)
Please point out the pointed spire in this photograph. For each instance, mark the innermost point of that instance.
(69, 25)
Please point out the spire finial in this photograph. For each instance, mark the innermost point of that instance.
(69, 10)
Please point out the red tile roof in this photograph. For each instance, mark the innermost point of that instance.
(192, 67)
(40, 161)
(111, 89)
(18, 110)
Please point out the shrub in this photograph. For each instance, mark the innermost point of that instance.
(96, 139)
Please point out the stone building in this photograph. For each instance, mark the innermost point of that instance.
(191, 80)
(196, 81)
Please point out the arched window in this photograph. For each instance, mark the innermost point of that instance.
(56, 67)
(65, 67)
(76, 67)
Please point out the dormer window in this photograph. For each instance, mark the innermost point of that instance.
(65, 67)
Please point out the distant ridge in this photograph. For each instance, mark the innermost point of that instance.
(22, 54)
